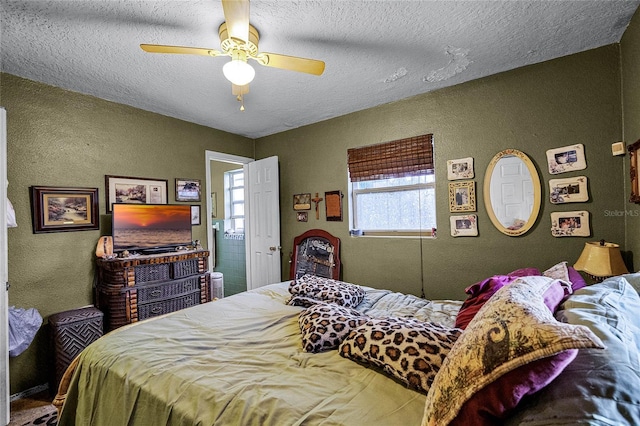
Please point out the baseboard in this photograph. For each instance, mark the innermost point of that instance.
(31, 391)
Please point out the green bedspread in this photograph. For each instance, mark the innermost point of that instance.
(237, 361)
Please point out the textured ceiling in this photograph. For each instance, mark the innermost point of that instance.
(375, 51)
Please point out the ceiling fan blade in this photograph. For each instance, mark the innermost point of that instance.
(236, 15)
(160, 48)
(293, 63)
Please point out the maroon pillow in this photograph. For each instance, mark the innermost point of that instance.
(495, 401)
(479, 293)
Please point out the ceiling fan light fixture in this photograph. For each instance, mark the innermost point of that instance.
(238, 72)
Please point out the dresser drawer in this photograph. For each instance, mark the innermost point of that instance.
(165, 290)
(153, 309)
(152, 272)
(184, 268)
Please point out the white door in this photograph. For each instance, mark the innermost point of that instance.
(4, 276)
(262, 230)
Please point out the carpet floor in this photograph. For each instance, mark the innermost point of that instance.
(33, 411)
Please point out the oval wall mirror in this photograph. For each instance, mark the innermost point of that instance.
(512, 192)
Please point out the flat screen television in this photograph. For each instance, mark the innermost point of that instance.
(150, 228)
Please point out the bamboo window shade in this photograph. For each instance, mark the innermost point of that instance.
(399, 158)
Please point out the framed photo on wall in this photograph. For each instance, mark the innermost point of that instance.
(195, 215)
(566, 159)
(634, 168)
(464, 226)
(462, 196)
(570, 224)
(568, 190)
(302, 201)
(460, 169)
(134, 190)
(57, 209)
(187, 189)
(333, 204)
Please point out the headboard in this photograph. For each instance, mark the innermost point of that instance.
(315, 252)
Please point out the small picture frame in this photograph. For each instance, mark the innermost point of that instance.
(302, 216)
(134, 190)
(570, 224)
(59, 209)
(195, 215)
(464, 226)
(333, 205)
(302, 201)
(566, 159)
(568, 190)
(187, 189)
(460, 169)
(462, 196)
(634, 169)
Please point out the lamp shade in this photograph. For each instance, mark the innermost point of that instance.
(238, 72)
(600, 259)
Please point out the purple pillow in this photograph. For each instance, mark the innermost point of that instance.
(495, 401)
(577, 282)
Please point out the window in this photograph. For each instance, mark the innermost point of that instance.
(393, 187)
(234, 201)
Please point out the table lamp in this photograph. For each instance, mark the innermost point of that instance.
(600, 260)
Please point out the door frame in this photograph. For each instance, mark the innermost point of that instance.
(225, 158)
(4, 276)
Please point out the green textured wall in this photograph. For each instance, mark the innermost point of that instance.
(566, 101)
(61, 138)
(630, 60)
(57, 137)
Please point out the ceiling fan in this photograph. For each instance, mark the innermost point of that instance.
(239, 40)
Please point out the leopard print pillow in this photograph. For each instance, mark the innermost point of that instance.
(308, 289)
(405, 348)
(324, 326)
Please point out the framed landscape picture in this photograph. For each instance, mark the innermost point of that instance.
(56, 209)
(134, 190)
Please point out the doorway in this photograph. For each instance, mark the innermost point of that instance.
(225, 235)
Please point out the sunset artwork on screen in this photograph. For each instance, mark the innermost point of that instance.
(150, 226)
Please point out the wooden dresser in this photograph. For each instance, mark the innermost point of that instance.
(136, 288)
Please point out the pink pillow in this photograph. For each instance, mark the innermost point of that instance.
(495, 401)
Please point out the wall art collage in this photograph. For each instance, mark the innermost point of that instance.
(302, 204)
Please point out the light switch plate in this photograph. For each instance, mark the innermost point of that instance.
(618, 148)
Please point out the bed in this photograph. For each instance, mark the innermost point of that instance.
(241, 360)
